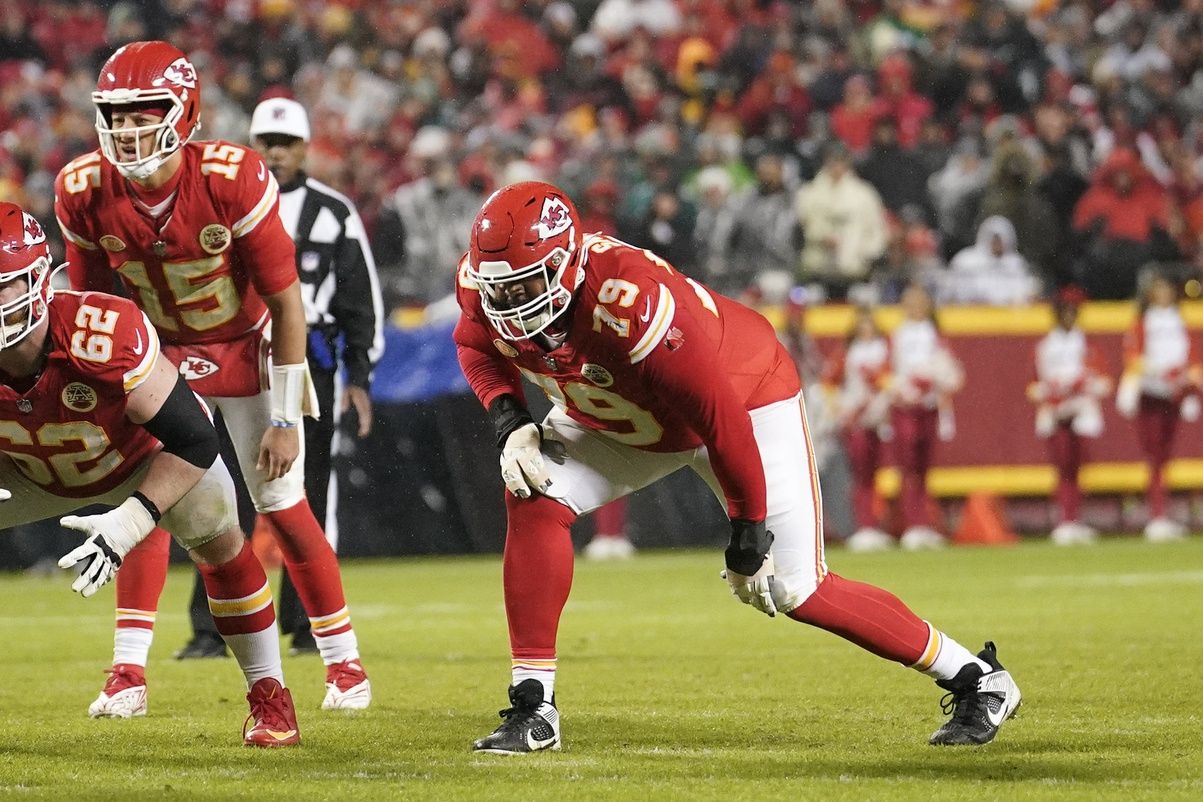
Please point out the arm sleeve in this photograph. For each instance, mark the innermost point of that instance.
(693, 377)
(489, 375)
(356, 306)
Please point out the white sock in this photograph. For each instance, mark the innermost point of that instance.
(944, 657)
(132, 645)
(542, 670)
(258, 654)
(337, 648)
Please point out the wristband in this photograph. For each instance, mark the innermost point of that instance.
(150, 506)
(507, 414)
(288, 393)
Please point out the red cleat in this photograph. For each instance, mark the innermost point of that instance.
(275, 719)
(347, 686)
(124, 693)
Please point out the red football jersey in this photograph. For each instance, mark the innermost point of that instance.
(68, 433)
(200, 272)
(652, 358)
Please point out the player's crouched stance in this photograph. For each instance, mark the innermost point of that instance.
(92, 414)
(649, 372)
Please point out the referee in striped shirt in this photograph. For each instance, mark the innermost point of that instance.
(344, 312)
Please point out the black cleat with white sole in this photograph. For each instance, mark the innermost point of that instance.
(977, 702)
(529, 725)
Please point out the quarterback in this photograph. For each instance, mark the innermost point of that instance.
(91, 412)
(191, 231)
(649, 371)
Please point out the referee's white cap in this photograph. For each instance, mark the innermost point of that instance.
(279, 115)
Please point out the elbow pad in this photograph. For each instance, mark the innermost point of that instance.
(184, 428)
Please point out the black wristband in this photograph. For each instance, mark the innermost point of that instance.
(507, 414)
(148, 504)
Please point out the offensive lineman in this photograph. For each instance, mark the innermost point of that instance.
(192, 231)
(649, 372)
(91, 413)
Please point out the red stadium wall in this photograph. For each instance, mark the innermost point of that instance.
(996, 448)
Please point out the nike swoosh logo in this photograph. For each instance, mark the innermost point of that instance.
(280, 736)
(535, 744)
(647, 311)
(262, 171)
(138, 347)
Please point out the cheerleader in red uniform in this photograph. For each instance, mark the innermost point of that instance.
(925, 375)
(856, 377)
(1160, 385)
(1067, 390)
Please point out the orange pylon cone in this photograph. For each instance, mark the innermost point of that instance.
(983, 523)
(263, 543)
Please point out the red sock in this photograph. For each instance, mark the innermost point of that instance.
(239, 596)
(140, 581)
(611, 519)
(313, 568)
(537, 571)
(870, 617)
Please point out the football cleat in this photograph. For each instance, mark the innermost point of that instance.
(921, 538)
(124, 693)
(868, 538)
(609, 547)
(202, 645)
(530, 725)
(977, 702)
(347, 687)
(274, 717)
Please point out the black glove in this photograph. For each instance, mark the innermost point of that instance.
(750, 542)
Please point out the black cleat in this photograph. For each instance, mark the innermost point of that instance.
(203, 644)
(530, 725)
(977, 702)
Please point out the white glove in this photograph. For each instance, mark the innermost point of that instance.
(111, 535)
(1127, 397)
(4, 495)
(756, 590)
(522, 467)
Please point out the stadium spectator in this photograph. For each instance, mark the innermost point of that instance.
(895, 171)
(1122, 222)
(843, 224)
(1160, 386)
(991, 272)
(765, 233)
(1012, 193)
(1069, 382)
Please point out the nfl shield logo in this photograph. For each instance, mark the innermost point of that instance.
(24, 405)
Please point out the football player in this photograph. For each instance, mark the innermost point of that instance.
(649, 371)
(191, 231)
(91, 412)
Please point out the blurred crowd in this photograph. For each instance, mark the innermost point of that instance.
(991, 151)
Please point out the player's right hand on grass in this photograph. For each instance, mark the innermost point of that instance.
(750, 566)
(522, 467)
(111, 536)
(4, 495)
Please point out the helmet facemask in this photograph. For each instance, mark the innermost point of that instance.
(534, 315)
(33, 302)
(166, 137)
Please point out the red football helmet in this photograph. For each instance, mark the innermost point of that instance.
(526, 232)
(24, 254)
(150, 74)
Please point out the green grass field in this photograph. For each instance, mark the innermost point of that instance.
(669, 689)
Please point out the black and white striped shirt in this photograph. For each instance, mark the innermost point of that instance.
(338, 276)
